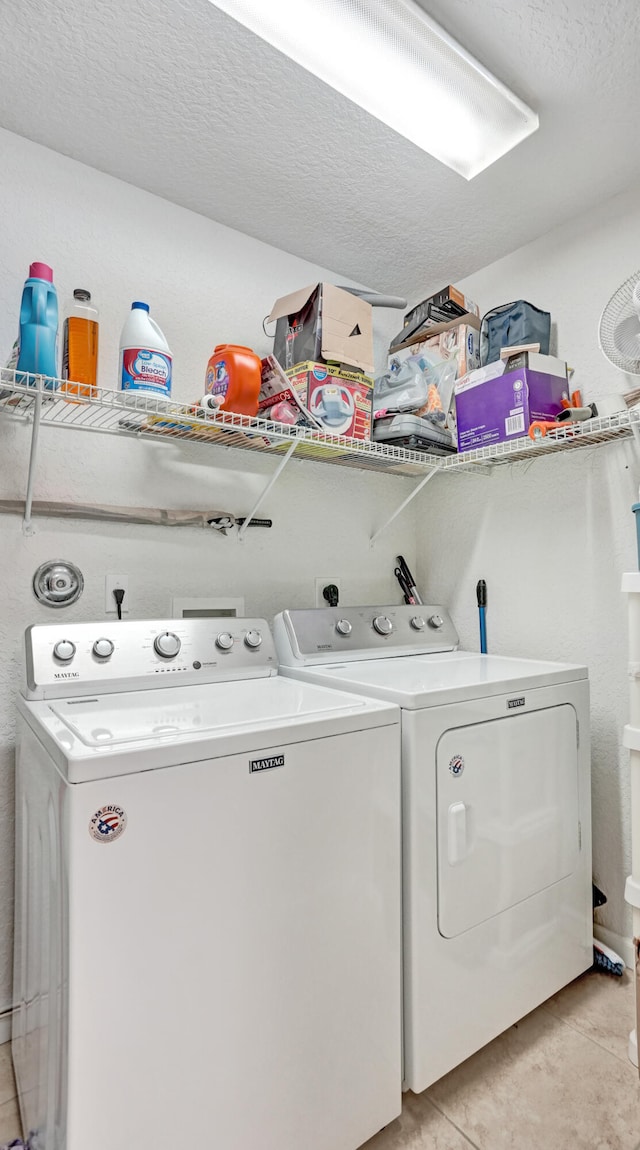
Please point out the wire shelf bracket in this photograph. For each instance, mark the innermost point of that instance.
(405, 503)
(27, 525)
(265, 491)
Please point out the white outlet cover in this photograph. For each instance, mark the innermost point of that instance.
(323, 581)
(112, 580)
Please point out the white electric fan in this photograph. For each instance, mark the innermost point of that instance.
(619, 332)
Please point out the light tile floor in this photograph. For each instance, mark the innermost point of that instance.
(559, 1080)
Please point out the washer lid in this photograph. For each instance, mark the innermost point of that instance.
(98, 736)
(417, 681)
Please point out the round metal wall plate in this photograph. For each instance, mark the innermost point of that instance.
(57, 583)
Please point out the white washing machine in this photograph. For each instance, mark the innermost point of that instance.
(496, 817)
(208, 919)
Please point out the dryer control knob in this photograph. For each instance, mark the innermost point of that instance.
(167, 645)
(343, 627)
(64, 650)
(103, 648)
(225, 641)
(383, 625)
(418, 623)
(436, 621)
(253, 640)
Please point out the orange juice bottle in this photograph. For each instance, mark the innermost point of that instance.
(80, 348)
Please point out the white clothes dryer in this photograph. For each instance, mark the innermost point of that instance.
(208, 920)
(496, 817)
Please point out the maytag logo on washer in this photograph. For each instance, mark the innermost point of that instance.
(456, 766)
(266, 764)
(108, 824)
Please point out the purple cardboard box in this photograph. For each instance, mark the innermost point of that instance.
(495, 410)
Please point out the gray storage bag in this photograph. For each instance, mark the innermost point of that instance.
(511, 325)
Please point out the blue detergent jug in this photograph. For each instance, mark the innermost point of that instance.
(38, 334)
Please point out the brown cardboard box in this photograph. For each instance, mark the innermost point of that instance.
(442, 307)
(323, 323)
(460, 338)
(467, 318)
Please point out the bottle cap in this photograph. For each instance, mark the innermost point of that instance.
(40, 271)
(138, 303)
(82, 294)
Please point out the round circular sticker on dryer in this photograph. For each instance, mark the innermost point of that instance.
(456, 765)
(108, 823)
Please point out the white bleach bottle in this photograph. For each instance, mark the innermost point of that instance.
(145, 357)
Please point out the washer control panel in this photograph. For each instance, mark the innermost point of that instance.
(330, 635)
(85, 658)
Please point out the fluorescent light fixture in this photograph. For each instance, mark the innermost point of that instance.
(393, 60)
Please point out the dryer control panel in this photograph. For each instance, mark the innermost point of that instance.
(67, 659)
(341, 634)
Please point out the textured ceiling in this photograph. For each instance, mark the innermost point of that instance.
(173, 96)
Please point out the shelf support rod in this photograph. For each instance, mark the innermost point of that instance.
(33, 456)
(263, 494)
(423, 482)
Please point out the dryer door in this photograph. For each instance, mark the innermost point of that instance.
(507, 795)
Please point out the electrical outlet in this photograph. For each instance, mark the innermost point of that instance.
(112, 580)
(323, 582)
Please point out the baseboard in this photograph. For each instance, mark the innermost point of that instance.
(623, 946)
(5, 1026)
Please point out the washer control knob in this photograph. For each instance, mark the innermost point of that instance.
(167, 645)
(418, 623)
(64, 650)
(383, 625)
(343, 627)
(103, 648)
(224, 641)
(253, 640)
(436, 621)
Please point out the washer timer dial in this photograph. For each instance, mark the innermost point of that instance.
(64, 650)
(103, 648)
(167, 645)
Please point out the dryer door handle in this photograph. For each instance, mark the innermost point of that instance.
(457, 833)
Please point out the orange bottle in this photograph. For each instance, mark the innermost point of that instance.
(80, 348)
(233, 372)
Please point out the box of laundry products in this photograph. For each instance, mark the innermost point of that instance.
(494, 405)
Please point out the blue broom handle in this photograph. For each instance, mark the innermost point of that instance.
(481, 595)
(483, 631)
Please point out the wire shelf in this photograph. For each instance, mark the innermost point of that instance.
(144, 416)
(564, 437)
(149, 417)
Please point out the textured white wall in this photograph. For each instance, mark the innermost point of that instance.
(552, 538)
(206, 284)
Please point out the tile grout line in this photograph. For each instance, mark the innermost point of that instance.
(454, 1124)
(576, 1030)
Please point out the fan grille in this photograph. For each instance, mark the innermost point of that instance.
(619, 332)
